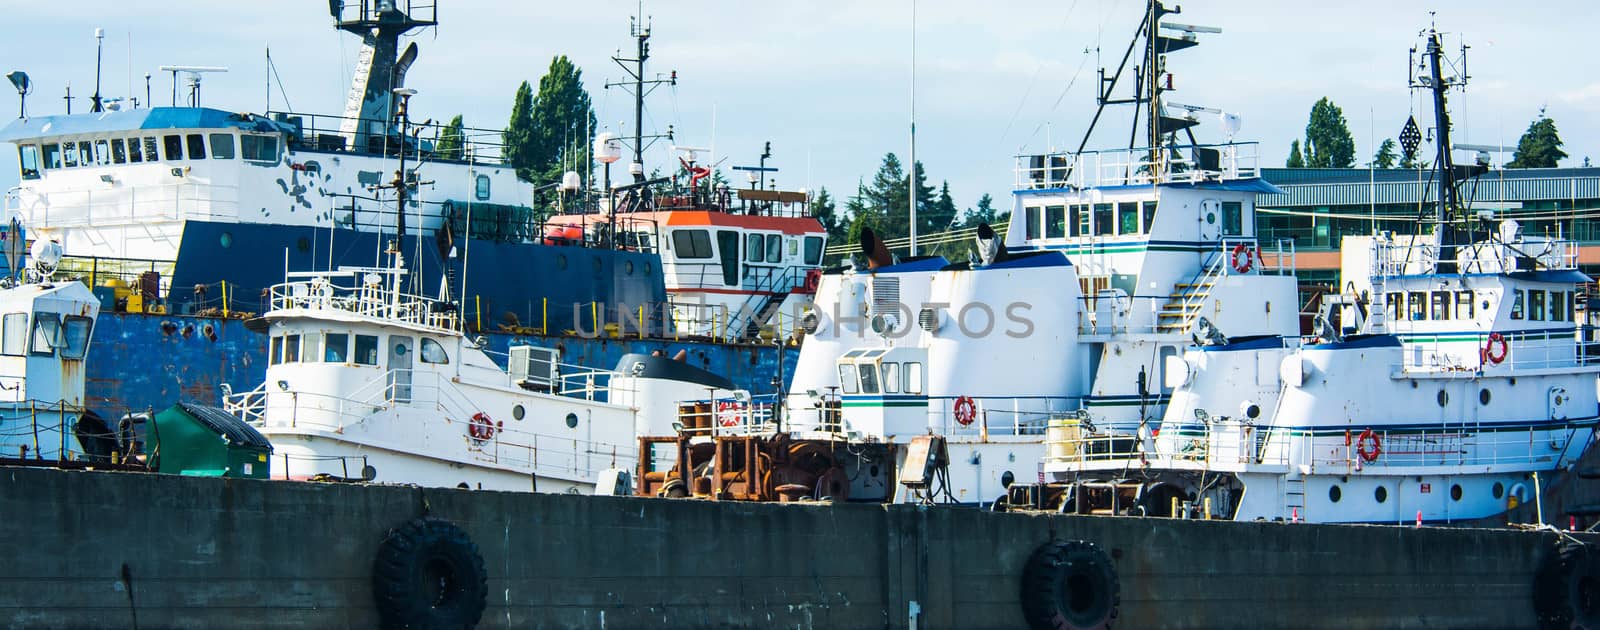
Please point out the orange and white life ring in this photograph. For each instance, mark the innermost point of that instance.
(1495, 349)
(1369, 446)
(1243, 258)
(482, 428)
(728, 413)
(966, 410)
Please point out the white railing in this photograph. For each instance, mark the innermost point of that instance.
(1137, 166)
(1421, 255)
(1106, 314)
(370, 298)
(1467, 356)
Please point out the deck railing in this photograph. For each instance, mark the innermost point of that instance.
(1138, 166)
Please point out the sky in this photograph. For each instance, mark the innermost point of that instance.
(830, 84)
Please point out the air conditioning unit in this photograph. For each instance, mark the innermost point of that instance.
(535, 368)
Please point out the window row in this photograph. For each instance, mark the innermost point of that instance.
(1101, 219)
(1532, 305)
(337, 348)
(49, 334)
(758, 248)
(171, 148)
(1543, 306)
(888, 377)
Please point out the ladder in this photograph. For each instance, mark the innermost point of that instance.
(1183, 306)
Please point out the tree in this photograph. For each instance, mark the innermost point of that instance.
(984, 212)
(452, 141)
(562, 121)
(824, 208)
(518, 150)
(887, 201)
(1385, 157)
(863, 213)
(1295, 160)
(1328, 141)
(941, 214)
(1540, 145)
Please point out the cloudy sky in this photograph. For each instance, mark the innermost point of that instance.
(830, 83)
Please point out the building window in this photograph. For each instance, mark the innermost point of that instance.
(1102, 220)
(1517, 305)
(1128, 217)
(482, 191)
(222, 146)
(432, 352)
(1055, 221)
(197, 146)
(28, 157)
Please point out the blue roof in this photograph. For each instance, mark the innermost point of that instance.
(129, 120)
(930, 263)
(1358, 341)
(1255, 185)
(1564, 276)
(1024, 260)
(1263, 342)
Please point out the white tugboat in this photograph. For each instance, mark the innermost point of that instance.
(1449, 376)
(368, 381)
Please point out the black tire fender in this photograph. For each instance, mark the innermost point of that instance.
(428, 574)
(1567, 587)
(1070, 585)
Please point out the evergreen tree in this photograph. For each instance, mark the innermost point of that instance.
(1540, 145)
(562, 121)
(1295, 159)
(984, 212)
(1328, 141)
(452, 140)
(941, 214)
(518, 150)
(824, 208)
(1385, 157)
(887, 200)
(863, 212)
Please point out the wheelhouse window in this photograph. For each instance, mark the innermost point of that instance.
(52, 155)
(337, 348)
(1393, 304)
(869, 378)
(1102, 220)
(753, 248)
(1034, 225)
(46, 334)
(1464, 305)
(1232, 218)
(222, 146)
(28, 158)
(813, 250)
(1075, 219)
(891, 378)
(75, 336)
(69, 154)
(847, 378)
(85, 153)
(291, 348)
(774, 248)
(150, 154)
(265, 149)
(691, 243)
(1558, 306)
(197, 146)
(1055, 221)
(1128, 217)
(366, 350)
(432, 352)
(1517, 305)
(173, 148)
(135, 154)
(1149, 215)
(913, 378)
(275, 351)
(14, 336)
(481, 190)
(1418, 307)
(311, 351)
(102, 152)
(1440, 306)
(119, 151)
(1536, 306)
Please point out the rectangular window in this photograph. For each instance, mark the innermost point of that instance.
(1558, 306)
(15, 334)
(1536, 305)
(774, 248)
(1572, 306)
(482, 187)
(69, 154)
(869, 378)
(1055, 221)
(753, 249)
(265, 149)
(1464, 305)
(366, 350)
(1102, 220)
(1149, 215)
(52, 156)
(102, 152)
(291, 348)
(311, 352)
(1035, 228)
(85, 153)
(1393, 304)
(275, 351)
(1127, 217)
(174, 148)
(150, 154)
(847, 378)
(75, 336)
(913, 378)
(46, 334)
(891, 378)
(691, 243)
(337, 349)
(1074, 220)
(813, 250)
(1517, 305)
(222, 146)
(197, 146)
(1441, 306)
(1232, 218)
(1418, 302)
(135, 155)
(28, 158)
(119, 152)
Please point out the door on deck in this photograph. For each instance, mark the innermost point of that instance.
(400, 348)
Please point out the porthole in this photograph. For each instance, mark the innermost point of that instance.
(1381, 494)
(628, 268)
(1483, 396)
(1499, 490)
(561, 261)
(647, 268)
(518, 412)
(572, 421)
(1455, 492)
(1443, 398)
(1334, 494)
(1006, 479)
(226, 239)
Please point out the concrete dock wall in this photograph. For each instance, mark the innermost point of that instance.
(92, 549)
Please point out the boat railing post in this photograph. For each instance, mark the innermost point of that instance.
(33, 415)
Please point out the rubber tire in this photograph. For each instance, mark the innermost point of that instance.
(428, 575)
(1070, 585)
(1567, 588)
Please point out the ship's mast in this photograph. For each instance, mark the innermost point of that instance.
(1448, 200)
(640, 87)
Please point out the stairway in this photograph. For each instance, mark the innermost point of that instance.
(1183, 307)
(1294, 496)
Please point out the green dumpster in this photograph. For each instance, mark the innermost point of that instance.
(191, 439)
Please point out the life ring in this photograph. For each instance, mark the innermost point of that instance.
(482, 428)
(728, 414)
(813, 278)
(1564, 587)
(1496, 348)
(966, 410)
(1369, 446)
(1243, 258)
(428, 574)
(1070, 585)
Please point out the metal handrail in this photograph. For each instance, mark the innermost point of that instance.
(1133, 167)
